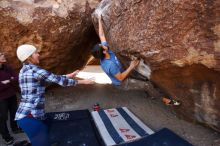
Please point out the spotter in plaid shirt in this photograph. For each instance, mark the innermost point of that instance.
(31, 80)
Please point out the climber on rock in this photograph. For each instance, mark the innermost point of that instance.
(115, 71)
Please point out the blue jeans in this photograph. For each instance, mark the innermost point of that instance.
(36, 130)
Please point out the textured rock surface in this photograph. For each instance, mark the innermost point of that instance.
(61, 29)
(178, 41)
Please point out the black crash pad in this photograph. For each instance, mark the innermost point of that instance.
(74, 128)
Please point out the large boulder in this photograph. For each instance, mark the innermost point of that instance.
(62, 30)
(178, 42)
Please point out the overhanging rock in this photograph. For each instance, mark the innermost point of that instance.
(179, 44)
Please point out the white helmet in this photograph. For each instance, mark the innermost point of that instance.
(25, 51)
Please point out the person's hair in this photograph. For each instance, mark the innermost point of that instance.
(97, 52)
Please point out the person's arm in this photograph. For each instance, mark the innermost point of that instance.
(44, 75)
(123, 75)
(101, 31)
(62, 80)
(14, 75)
(102, 37)
(80, 81)
(73, 74)
(4, 85)
(86, 81)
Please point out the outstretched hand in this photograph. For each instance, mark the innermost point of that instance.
(73, 74)
(134, 63)
(87, 81)
(98, 13)
(5, 81)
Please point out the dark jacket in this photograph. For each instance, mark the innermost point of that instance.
(7, 90)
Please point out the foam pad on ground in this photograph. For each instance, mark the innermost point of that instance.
(73, 128)
(119, 125)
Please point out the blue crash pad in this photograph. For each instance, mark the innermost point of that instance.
(74, 128)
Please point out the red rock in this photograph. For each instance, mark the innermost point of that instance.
(179, 44)
(61, 29)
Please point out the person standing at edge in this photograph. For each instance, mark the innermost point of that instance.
(8, 100)
(30, 114)
(113, 68)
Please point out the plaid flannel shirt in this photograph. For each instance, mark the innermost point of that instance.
(32, 84)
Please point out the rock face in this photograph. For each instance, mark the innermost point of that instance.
(62, 30)
(179, 44)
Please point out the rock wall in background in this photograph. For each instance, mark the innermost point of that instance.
(179, 44)
(62, 30)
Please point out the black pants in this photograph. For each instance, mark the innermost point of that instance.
(7, 105)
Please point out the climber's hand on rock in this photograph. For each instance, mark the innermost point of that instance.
(134, 63)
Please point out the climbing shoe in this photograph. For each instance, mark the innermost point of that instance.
(173, 102)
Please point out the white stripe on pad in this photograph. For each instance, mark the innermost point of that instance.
(123, 128)
(102, 129)
(141, 124)
(120, 123)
